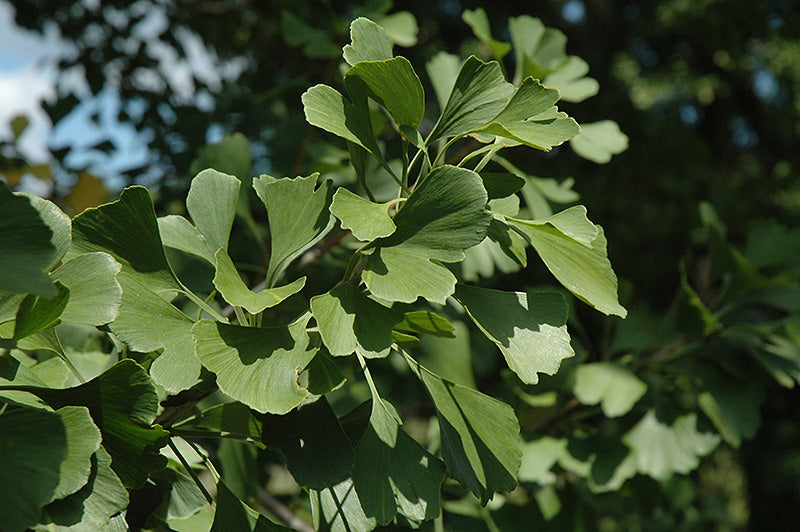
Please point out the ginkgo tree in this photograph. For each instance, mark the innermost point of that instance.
(267, 365)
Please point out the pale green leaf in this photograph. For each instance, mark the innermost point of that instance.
(661, 450)
(443, 70)
(231, 156)
(211, 202)
(337, 508)
(612, 386)
(400, 27)
(570, 81)
(235, 292)
(531, 118)
(538, 458)
(349, 320)
(530, 329)
(26, 247)
(127, 229)
(313, 443)
(36, 313)
(178, 233)
(393, 84)
(393, 274)
(95, 294)
(582, 266)
(91, 507)
(539, 51)
(257, 366)
(480, 92)
(598, 141)
(480, 436)
(479, 23)
(298, 217)
(148, 322)
(365, 219)
(369, 42)
(392, 473)
(33, 444)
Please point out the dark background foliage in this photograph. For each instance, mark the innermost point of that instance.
(707, 91)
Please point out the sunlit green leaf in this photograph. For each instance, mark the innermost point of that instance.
(393, 84)
(58, 222)
(298, 217)
(392, 473)
(176, 368)
(257, 366)
(83, 440)
(338, 509)
(538, 458)
(615, 388)
(479, 23)
(178, 233)
(36, 313)
(401, 28)
(365, 219)
(480, 92)
(443, 70)
(235, 292)
(349, 320)
(570, 81)
(598, 141)
(443, 216)
(480, 436)
(529, 328)
(369, 42)
(580, 264)
(95, 293)
(127, 229)
(211, 202)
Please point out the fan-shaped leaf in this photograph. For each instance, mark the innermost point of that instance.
(365, 220)
(235, 292)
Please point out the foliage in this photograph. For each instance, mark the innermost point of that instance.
(365, 357)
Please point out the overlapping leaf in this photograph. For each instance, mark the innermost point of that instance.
(574, 250)
(365, 220)
(235, 292)
(338, 509)
(349, 320)
(368, 42)
(233, 514)
(529, 328)
(95, 293)
(26, 247)
(480, 436)
(598, 141)
(257, 366)
(615, 388)
(392, 473)
(298, 217)
(443, 216)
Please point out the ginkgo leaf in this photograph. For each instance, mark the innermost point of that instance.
(480, 436)
(571, 82)
(58, 222)
(127, 229)
(36, 313)
(579, 262)
(479, 23)
(176, 368)
(443, 216)
(178, 233)
(426, 322)
(365, 220)
(27, 246)
(443, 69)
(392, 473)
(337, 508)
(529, 328)
(95, 293)
(531, 118)
(349, 320)
(615, 388)
(480, 92)
(232, 514)
(369, 42)
(661, 450)
(254, 365)
(393, 84)
(298, 217)
(598, 141)
(83, 440)
(235, 292)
